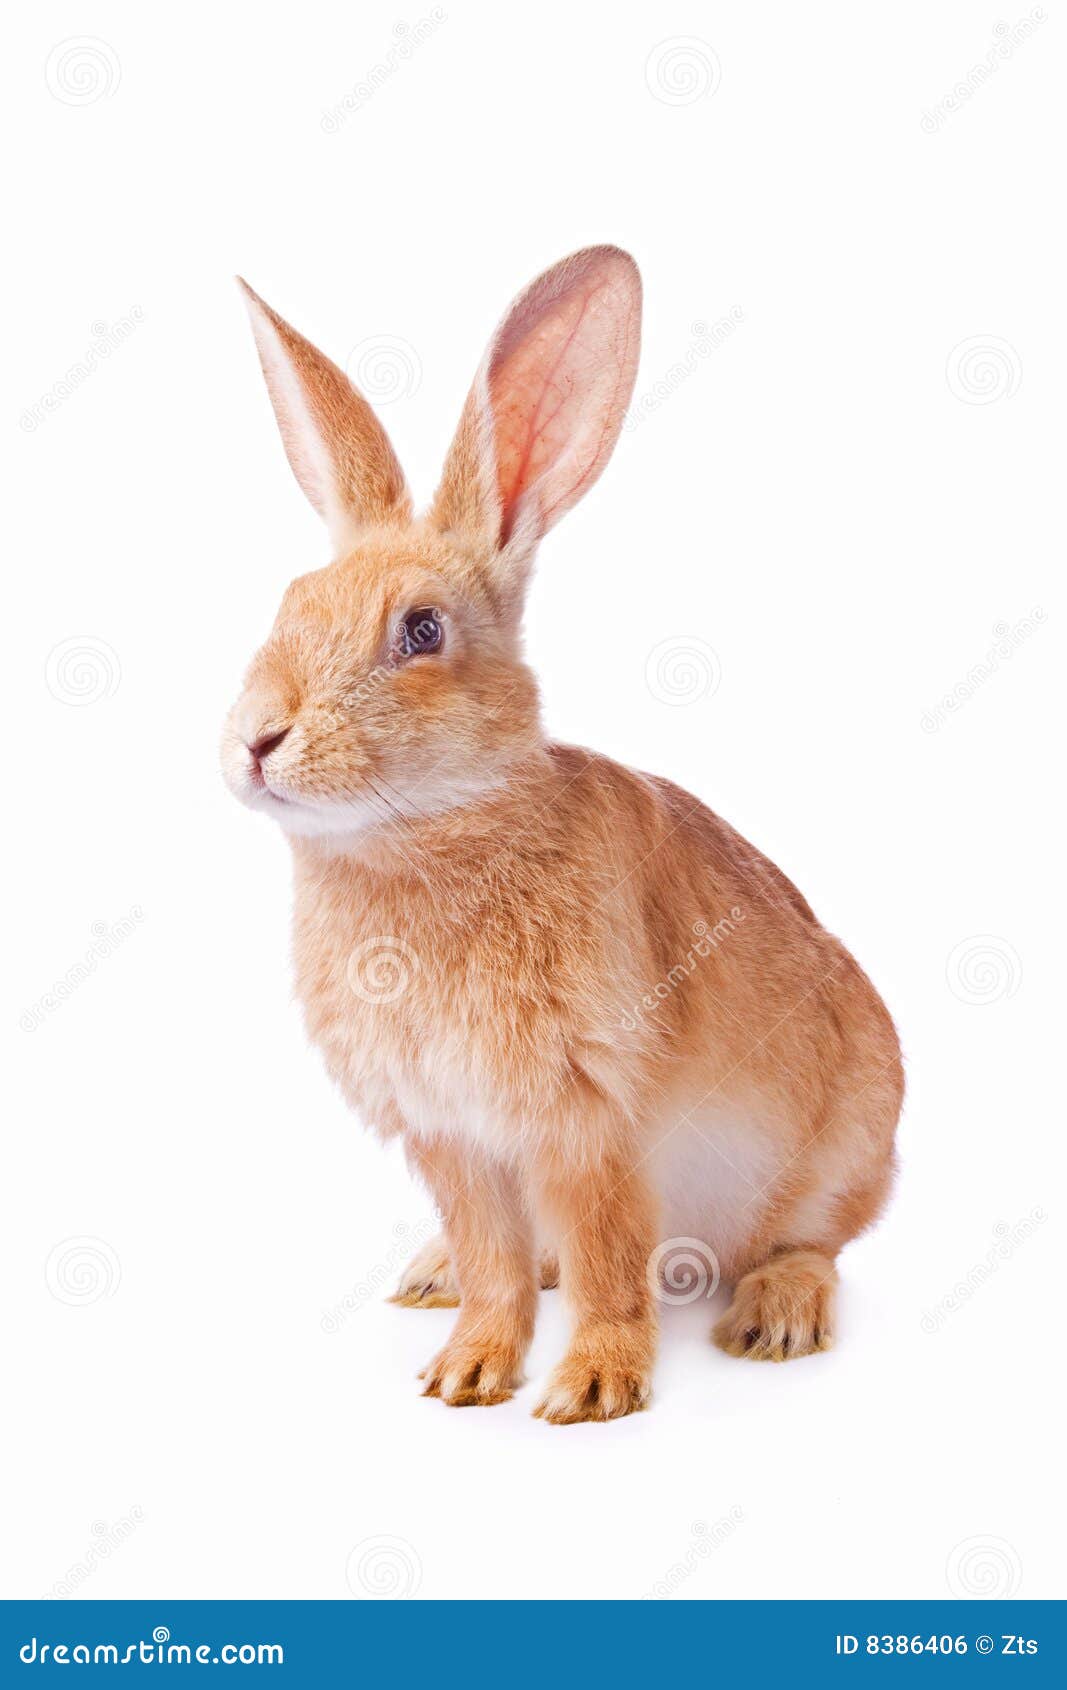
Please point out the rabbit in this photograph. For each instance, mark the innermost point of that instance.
(612, 1036)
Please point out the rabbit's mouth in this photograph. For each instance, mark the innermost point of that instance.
(306, 817)
(259, 783)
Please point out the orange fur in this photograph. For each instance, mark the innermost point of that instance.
(782, 1309)
(491, 1245)
(484, 920)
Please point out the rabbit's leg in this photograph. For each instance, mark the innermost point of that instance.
(782, 1309)
(429, 1280)
(606, 1235)
(491, 1246)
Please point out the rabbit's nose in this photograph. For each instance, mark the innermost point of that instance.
(262, 747)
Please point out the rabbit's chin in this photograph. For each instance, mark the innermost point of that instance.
(348, 819)
(340, 821)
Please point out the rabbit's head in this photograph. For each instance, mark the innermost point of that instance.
(393, 678)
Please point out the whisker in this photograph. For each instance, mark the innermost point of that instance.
(391, 807)
(403, 797)
(410, 832)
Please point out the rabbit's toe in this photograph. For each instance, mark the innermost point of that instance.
(428, 1281)
(549, 1271)
(600, 1380)
(781, 1310)
(470, 1373)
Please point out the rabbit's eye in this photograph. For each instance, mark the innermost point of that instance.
(419, 633)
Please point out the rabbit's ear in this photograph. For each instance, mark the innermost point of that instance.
(339, 451)
(547, 403)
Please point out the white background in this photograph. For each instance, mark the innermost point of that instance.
(831, 500)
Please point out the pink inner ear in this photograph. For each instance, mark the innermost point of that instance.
(560, 378)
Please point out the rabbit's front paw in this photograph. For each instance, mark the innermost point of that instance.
(601, 1379)
(429, 1280)
(473, 1373)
